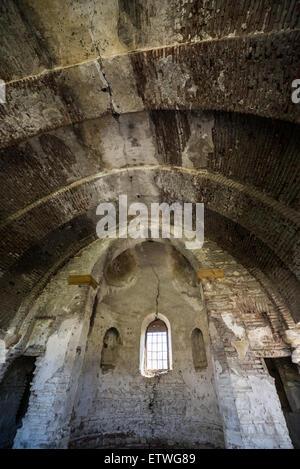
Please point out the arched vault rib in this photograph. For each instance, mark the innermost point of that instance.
(251, 150)
(104, 251)
(273, 223)
(17, 285)
(42, 37)
(183, 76)
(63, 240)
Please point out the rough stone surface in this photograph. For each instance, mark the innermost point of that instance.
(124, 408)
(182, 100)
(235, 376)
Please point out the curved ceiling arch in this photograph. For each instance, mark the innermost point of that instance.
(38, 264)
(233, 145)
(244, 206)
(166, 79)
(105, 251)
(132, 94)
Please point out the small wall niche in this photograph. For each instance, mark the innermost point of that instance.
(198, 350)
(121, 271)
(110, 350)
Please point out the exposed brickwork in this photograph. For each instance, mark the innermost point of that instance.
(201, 20)
(218, 194)
(231, 323)
(49, 412)
(218, 227)
(164, 101)
(229, 71)
(254, 254)
(33, 270)
(248, 149)
(242, 379)
(259, 152)
(29, 47)
(172, 132)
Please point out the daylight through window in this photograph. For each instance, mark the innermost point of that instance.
(157, 346)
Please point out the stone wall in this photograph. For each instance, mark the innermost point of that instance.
(97, 85)
(122, 408)
(163, 101)
(244, 328)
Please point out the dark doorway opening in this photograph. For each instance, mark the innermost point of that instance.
(14, 398)
(287, 382)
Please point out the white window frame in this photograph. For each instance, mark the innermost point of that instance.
(146, 322)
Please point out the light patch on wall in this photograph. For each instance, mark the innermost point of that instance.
(56, 350)
(231, 323)
(258, 336)
(218, 367)
(241, 346)
(200, 144)
(221, 79)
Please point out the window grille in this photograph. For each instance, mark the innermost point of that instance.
(157, 356)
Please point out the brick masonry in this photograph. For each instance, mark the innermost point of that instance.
(233, 319)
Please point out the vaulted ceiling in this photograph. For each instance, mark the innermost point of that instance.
(160, 99)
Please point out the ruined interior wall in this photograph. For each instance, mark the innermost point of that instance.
(244, 327)
(122, 408)
(55, 330)
(46, 423)
(239, 340)
(13, 398)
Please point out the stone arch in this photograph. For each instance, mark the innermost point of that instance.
(106, 250)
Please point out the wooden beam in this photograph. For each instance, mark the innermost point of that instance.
(82, 280)
(210, 274)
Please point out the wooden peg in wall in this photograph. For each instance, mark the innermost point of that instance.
(210, 274)
(82, 280)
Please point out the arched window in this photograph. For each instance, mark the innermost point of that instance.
(156, 346)
(110, 350)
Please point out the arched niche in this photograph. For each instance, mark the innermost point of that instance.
(198, 350)
(110, 350)
(121, 270)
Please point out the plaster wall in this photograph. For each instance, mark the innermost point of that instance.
(68, 380)
(122, 408)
